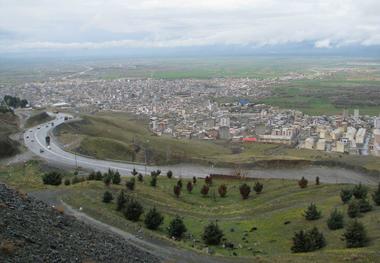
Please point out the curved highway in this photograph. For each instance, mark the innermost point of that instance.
(35, 140)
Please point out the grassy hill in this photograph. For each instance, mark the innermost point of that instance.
(37, 119)
(261, 227)
(8, 125)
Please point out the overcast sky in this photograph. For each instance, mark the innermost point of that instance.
(96, 24)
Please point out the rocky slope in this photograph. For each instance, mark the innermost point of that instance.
(31, 231)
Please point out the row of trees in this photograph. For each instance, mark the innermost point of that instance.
(133, 210)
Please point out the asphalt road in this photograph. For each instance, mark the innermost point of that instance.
(35, 140)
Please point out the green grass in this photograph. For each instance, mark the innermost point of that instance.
(280, 201)
(37, 119)
(8, 125)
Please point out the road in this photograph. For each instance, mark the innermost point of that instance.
(35, 140)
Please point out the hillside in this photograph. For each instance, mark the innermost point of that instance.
(38, 118)
(8, 125)
(30, 231)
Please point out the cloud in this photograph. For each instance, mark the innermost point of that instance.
(72, 24)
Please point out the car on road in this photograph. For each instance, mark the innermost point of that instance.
(32, 141)
(38, 128)
(49, 147)
(41, 151)
(27, 137)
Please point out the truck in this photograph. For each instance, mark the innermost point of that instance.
(47, 140)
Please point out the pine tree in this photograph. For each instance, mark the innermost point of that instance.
(353, 209)
(133, 210)
(134, 172)
(107, 197)
(131, 184)
(345, 195)
(179, 183)
(116, 179)
(121, 200)
(355, 235)
(212, 234)
(153, 181)
(98, 176)
(306, 241)
(140, 177)
(194, 180)
(312, 213)
(222, 190)
(153, 219)
(244, 190)
(258, 187)
(360, 191)
(204, 190)
(208, 180)
(364, 206)
(169, 174)
(336, 220)
(177, 190)
(189, 187)
(317, 180)
(376, 195)
(303, 182)
(176, 228)
(107, 178)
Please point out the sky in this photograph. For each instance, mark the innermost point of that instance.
(32, 25)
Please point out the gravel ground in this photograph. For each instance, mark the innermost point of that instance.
(31, 231)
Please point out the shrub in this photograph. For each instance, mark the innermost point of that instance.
(52, 178)
(303, 182)
(194, 180)
(355, 235)
(98, 176)
(140, 177)
(317, 180)
(204, 190)
(208, 180)
(75, 180)
(189, 187)
(258, 187)
(153, 181)
(134, 172)
(131, 184)
(353, 209)
(67, 181)
(107, 197)
(169, 174)
(116, 178)
(364, 206)
(345, 195)
(176, 228)
(244, 190)
(107, 178)
(91, 176)
(133, 210)
(177, 190)
(336, 220)
(222, 190)
(312, 213)
(306, 241)
(212, 234)
(121, 200)
(179, 183)
(376, 195)
(360, 191)
(153, 219)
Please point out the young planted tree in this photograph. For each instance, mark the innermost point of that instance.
(67, 181)
(258, 187)
(360, 191)
(212, 234)
(303, 182)
(222, 190)
(107, 178)
(312, 213)
(317, 180)
(336, 220)
(353, 209)
(133, 210)
(208, 180)
(176, 228)
(52, 178)
(189, 187)
(355, 235)
(153, 181)
(140, 177)
(345, 195)
(205, 189)
(179, 183)
(91, 176)
(107, 197)
(98, 176)
(177, 190)
(169, 174)
(153, 219)
(306, 241)
(194, 180)
(376, 195)
(116, 179)
(364, 206)
(134, 172)
(245, 190)
(121, 201)
(130, 184)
